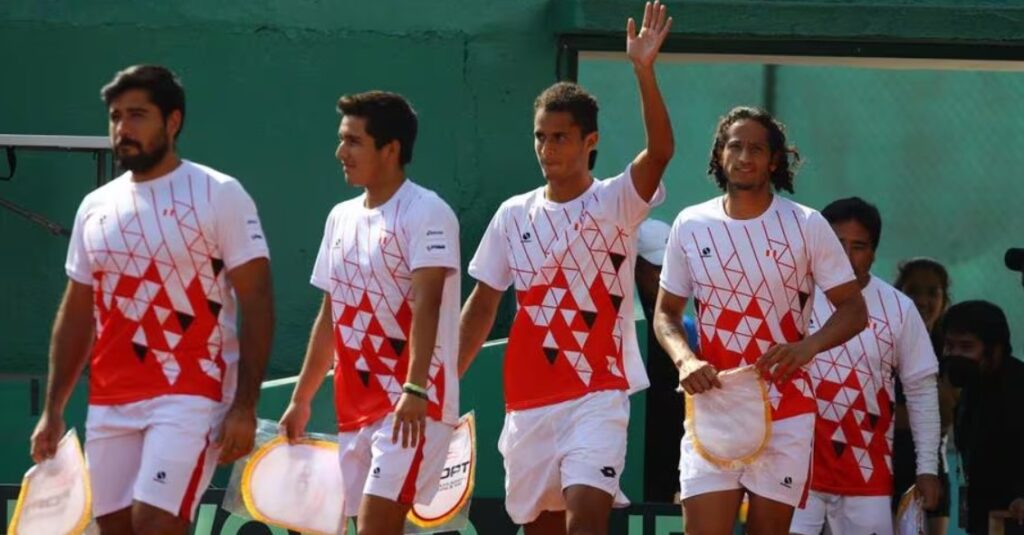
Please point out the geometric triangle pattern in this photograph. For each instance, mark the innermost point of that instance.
(163, 303)
(573, 272)
(751, 287)
(370, 289)
(854, 391)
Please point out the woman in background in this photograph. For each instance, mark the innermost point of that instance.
(926, 282)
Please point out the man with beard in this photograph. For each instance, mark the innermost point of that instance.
(162, 259)
(751, 260)
(989, 426)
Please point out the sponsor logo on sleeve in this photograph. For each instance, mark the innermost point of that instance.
(255, 231)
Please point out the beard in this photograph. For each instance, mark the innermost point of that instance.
(142, 161)
(747, 183)
(744, 186)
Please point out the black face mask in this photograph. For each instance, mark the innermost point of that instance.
(962, 371)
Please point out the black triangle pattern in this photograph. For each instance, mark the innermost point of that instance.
(398, 345)
(617, 260)
(184, 319)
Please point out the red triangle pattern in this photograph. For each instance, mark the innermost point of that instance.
(372, 321)
(566, 337)
(854, 392)
(157, 309)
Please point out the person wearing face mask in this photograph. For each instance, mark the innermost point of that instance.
(989, 422)
(926, 282)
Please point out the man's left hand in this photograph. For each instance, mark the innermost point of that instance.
(929, 487)
(410, 420)
(783, 360)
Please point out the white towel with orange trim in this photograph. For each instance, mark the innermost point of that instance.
(55, 496)
(730, 426)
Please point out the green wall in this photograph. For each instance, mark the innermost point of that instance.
(262, 80)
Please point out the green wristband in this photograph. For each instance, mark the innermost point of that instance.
(416, 390)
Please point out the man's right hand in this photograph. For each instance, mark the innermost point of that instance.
(697, 376)
(293, 422)
(46, 437)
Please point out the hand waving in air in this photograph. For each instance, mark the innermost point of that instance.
(642, 48)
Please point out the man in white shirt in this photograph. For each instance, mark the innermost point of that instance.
(854, 385)
(162, 261)
(388, 267)
(572, 359)
(751, 260)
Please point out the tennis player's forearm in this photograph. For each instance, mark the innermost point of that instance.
(319, 356)
(669, 332)
(70, 342)
(475, 324)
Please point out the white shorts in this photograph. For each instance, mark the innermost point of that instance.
(157, 451)
(780, 473)
(372, 464)
(548, 449)
(846, 515)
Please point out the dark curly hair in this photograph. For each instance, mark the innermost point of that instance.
(571, 98)
(787, 159)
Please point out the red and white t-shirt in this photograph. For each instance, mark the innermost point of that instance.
(572, 265)
(854, 387)
(752, 282)
(157, 254)
(365, 264)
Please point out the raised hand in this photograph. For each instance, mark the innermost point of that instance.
(642, 48)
